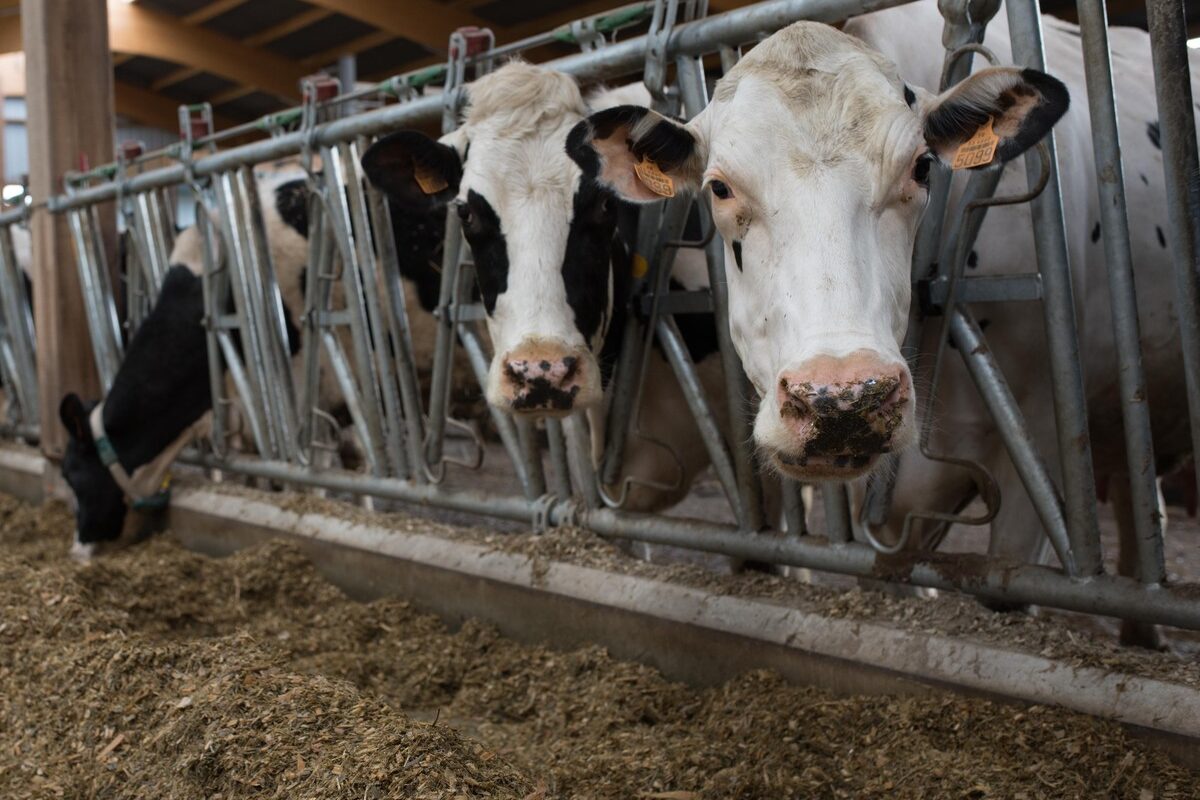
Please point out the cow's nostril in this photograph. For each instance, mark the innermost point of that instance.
(516, 371)
(545, 365)
(569, 364)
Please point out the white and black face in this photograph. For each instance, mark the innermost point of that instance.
(541, 236)
(816, 159)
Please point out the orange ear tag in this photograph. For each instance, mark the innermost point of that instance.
(979, 150)
(429, 179)
(654, 178)
(640, 265)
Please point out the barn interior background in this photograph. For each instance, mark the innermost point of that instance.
(148, 108)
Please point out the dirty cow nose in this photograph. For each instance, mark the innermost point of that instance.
(844, 408)
(542, 384)
(802, 398)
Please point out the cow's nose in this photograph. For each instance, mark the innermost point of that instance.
(802, 398)
(844, 406)
(542, 384)
(526, 371)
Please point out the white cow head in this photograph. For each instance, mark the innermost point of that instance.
(540, 232)
(816, 156)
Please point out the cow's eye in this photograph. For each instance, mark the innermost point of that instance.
(921, 169)
(720, 190)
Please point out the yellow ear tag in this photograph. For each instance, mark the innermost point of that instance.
(979, 150)
(654, 178)
(640, 265)
(429, 179)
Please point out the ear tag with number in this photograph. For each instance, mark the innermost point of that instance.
(654, 178)
(979, 150)
(428, 178)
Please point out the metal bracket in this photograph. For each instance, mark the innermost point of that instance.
(586, 36)
(667, 13)
(469, 43)
(933, 293)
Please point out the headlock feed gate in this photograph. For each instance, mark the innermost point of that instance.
(355, 332)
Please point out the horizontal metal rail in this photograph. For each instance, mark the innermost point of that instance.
(972, 574)
(615, 61)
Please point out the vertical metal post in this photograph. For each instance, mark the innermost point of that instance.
(1058, 308)
(1114, 222)
(20, 355)
(1181, 170)
(560, 471)
(794, 512)
(692, 86)
(1003, 409)
(401, 333)
(837, 512)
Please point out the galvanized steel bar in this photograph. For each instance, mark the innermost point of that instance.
(985, 578)
(1181, 170)
(20, 342)
(694, 89)
(614, 61)
(1003, 408)
(1118, 256)
(693, 391)
(837, 512)
(1058, 308)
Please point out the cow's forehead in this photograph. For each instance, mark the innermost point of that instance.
(515, 170)
(832, 105)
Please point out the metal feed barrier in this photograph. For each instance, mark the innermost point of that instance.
(354, 324)
(18, 346)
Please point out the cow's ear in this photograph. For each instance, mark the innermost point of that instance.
(414, 171)
(74, 416)
(638, 153)
(993, 116)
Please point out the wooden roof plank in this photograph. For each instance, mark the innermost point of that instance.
(137, 30)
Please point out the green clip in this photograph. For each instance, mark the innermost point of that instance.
(108, 454)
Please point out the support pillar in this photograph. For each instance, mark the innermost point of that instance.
(69, 97)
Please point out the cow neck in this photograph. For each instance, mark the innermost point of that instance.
(162, 387)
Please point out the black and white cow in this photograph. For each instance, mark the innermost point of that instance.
(552, 263)
(119, 451)
(816, 151)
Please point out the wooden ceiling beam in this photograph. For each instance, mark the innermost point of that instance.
(231, 94)
(214, 9)
(292, 25)
(178, 76)
(10, 34)
(152, 109)
(140, 31)
(352, 47)
(425, 22)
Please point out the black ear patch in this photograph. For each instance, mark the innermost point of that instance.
(405, 164)
(957, 120)
(74, 416)
(666, 144)
(291, 201)
(1055, 100)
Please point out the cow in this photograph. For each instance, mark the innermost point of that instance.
(119, 450)
(552, 263)
(815, 153)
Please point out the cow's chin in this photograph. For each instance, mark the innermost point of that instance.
(839, 467)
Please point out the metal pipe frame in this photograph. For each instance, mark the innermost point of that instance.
(980, 576)
(1118, 256)
(355, 231)
(1058, 310)
(1181, 168)
(19, 362)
